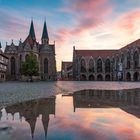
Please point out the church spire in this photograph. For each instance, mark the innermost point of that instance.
(32, 123)
(32, 31)
(0, 45)
(0, 48)
(45, 122)
(45, 36)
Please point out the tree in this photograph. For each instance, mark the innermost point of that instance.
(30, 66)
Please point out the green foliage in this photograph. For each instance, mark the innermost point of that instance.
(30, 66)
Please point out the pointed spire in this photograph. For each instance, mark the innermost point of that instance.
(12, 42)
(45, 122)
(45, 36)
(1, 48)
(0, 45)
(32, 31)
(32, 123)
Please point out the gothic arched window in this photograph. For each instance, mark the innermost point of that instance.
(26, 57)
(107, 65)
(20, 60)
(128, 60)
(117, 63)
(99, 65)
(83, 65)
(13, 66)
(45, 65)
(122, 58)
(91, 65)
(136, 59)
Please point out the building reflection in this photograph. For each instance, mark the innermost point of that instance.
(31, 110)
(127, 100)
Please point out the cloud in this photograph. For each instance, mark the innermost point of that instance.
(11, 25)
(87, 14)
(128, 22)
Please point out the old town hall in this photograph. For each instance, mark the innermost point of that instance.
(44, 52)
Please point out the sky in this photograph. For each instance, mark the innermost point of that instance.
(85, 24)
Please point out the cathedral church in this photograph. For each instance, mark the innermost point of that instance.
(44, 52)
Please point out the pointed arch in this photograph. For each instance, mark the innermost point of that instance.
(26, 57)
(136, 59)
(20, 62)
(117, 63)
(83, 65)
(128, 60)
(91, 65)
(107, 77)
(46, 66)
(128, 76)
(91, 78)
(136, 76)
(13, 66)
(122, 58)
(99, 65)
(107, 66)
(83, 77)
(99, 77)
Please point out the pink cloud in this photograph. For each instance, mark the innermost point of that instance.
(87, 14)
(127, 21)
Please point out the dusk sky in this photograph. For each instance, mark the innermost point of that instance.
(86, 24)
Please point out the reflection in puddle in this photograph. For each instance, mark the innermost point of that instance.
(87, 114)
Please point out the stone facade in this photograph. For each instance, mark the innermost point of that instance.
(108, 65)
(3, 65)
(45, 54)
(66, 70)
(127, 100)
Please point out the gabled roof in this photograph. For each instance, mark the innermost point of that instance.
(30, 41)
(66, 64)
(31, 38)
(135, 43)
(95, 53)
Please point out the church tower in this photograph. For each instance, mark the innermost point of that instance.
(45, 36)
(32, 31)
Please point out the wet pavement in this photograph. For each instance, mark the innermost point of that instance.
(70, 111)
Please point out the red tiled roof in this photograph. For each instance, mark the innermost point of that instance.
(66, 63)
(30, 41)
(96, 53)
(135, 43)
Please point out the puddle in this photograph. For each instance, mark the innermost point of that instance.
(86, 114)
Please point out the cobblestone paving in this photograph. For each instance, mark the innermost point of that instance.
(13, 92)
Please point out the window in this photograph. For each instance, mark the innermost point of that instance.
(46, 66)
(83, 65)
(107, 66)
(99, 65)
(136, 59)
(13, 66)
(91, 65)
(128, 60)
